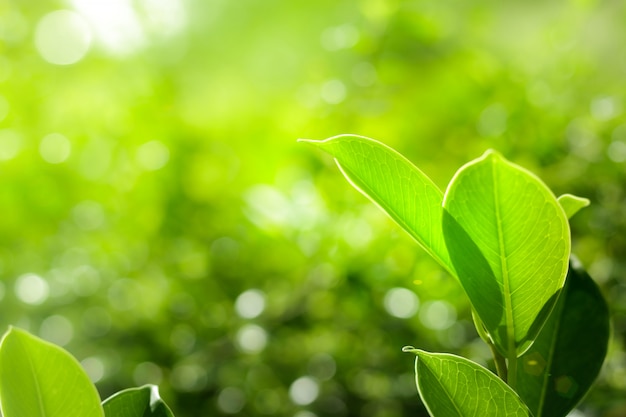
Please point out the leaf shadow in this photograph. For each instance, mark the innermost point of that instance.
(483, 289)
(474, 272)
(538, 323)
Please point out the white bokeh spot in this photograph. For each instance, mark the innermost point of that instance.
(62, 37)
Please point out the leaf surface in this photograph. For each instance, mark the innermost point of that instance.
(137, 402)
(508, 239)
(568, 353)
(452, 386)
(392, 182)
(39, 379)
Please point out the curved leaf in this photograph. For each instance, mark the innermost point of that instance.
(509, 241)
(572, 204)
(452, 386)
(393, 183)
(137, 402)
(560, 367)
(39, 379)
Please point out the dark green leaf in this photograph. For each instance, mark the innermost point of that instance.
(137, 402)
(566, 357)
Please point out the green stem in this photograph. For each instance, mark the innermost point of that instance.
(512, 370)
(500, 363)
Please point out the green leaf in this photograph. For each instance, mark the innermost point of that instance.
(387, 178)
(567, 355)
(572, 204)
(137, 402)
(508, 239)
(452, 386)
(39, 379)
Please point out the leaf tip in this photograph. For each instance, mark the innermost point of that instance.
(11, 330)
(314, 142)
(572, 204)
(491, 153)
(410, 349)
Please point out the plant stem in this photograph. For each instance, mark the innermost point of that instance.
(512, 369)
(500, 363)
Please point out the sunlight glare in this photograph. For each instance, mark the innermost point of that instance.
(115, 24)
(122, 28)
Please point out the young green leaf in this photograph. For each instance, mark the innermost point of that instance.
(39, 379)
(387, 178)
(508, 239)
(137, 402)
(559, 368)
(452, 386)
(572, 204)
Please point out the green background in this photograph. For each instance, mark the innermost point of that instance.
(145, 187)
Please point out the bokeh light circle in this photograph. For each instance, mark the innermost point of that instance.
(57, 329)
(231, 400)
(437, 315)
(94, 367)
(251, 338)
(153, 155)
(304, 390)
(250, 304)
(55, 148)
(401, 303)
(32, 289)
(62, 37)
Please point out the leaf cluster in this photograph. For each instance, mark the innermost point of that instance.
(504, 236)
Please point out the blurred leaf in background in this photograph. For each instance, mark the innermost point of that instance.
(160, 222)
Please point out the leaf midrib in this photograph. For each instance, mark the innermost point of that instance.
(373, 196)
(508, 302)
(550, 359)
(443, 387)
(33, 374)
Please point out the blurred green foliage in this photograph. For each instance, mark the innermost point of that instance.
(160, 222)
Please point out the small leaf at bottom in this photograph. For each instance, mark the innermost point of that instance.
(137, 402)
(452, 386)
(39, 379)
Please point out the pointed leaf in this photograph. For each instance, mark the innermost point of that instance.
(392, 182)
(452, 386)
(137, 402)
(508, 239)
(39, 379)
(567, 355)
(572, 204)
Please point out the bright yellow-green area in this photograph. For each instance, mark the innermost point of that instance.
(160, 222)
